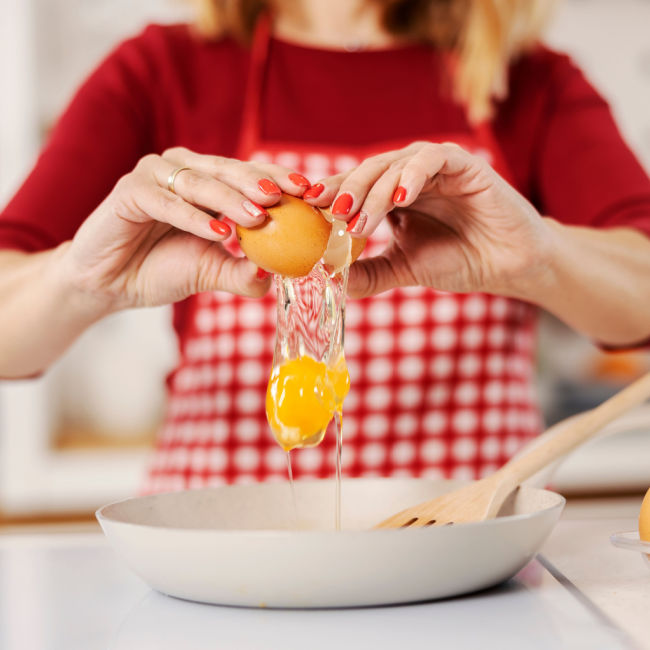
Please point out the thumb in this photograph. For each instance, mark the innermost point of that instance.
(236, 275)
(371, 276)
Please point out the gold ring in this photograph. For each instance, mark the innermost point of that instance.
(172, 178)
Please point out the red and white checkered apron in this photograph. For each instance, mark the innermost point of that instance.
(442, 384)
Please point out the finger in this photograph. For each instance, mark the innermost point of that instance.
(288, 180)
(325, 192)
(206, 192)
(357, 183)
(378, 202)
(140, 200)
(431, 160)
(322, 194)
(371, 276)
(252, 182)
(220, 271)
(261, 182)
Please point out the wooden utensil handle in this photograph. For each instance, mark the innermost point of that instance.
(573, 434)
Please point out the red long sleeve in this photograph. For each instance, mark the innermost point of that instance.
(566, 151)
(98, 138)
(586, 173)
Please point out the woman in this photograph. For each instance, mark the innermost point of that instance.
(438, 128)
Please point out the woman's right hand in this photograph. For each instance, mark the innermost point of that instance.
(145, 245)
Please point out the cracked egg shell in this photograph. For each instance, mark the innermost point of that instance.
(291, 240)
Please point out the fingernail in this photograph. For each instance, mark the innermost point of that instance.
(343, 204)
(299, 179)
(356, 224)
(314, 191)
(219, 227)
(261, 273)
(400, 194)
(253, 209)
(268, 187)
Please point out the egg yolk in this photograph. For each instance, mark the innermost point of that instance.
(302, 396)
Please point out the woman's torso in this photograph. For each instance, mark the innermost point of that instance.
(442, 384)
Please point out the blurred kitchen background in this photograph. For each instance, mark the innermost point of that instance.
(80, 436)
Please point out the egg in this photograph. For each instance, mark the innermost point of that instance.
(644, 518)
(301, 398)
(295, 237)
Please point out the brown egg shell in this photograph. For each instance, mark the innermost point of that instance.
(292, 240)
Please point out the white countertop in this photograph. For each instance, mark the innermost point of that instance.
(70, 592)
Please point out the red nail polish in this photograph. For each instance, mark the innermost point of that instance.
(314, 191)
(299, 179)
(358, 223)
(353, 222)
(254, 209)
(343, 204)
(219, 227)
(400, 194)
(268, 187)
(261, 273)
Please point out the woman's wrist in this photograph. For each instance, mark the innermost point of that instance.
(536, 275)
(83, 299)
(43, 310)
(593, 280)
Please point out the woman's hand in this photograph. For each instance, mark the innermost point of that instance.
(147, 245)
(457, 225)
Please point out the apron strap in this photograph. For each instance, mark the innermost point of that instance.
(250, 130)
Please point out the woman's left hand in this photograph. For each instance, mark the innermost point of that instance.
(457, 225)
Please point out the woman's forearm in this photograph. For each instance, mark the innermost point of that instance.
(41, 311)
(597, 281)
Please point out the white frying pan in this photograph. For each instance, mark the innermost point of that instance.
(242, 545)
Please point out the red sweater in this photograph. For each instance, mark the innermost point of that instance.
(165, 88)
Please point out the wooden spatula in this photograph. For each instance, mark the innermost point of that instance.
(482, 499)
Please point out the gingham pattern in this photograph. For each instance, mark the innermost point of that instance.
(442, 384)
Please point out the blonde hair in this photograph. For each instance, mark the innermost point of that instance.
(481, 37)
